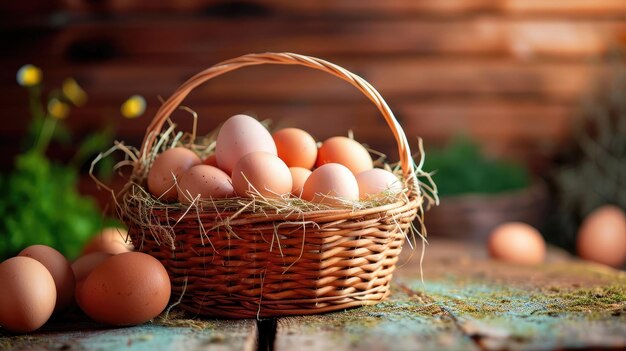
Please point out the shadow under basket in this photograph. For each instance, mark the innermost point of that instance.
(247, 265)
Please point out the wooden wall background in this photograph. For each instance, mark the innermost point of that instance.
(509, 72)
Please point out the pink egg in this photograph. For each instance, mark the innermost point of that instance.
(329, 182)
(376, 181)
(261, 172)
(204, 181)
(239, 136)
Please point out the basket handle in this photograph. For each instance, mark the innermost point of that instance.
(166, 109)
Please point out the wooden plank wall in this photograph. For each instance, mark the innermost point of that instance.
(509, 72)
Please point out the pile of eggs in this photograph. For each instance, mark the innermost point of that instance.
(109, 282)
(249, 161)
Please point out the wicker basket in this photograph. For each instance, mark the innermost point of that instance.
(278, 264)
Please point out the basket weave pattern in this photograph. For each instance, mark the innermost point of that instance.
(262, 265)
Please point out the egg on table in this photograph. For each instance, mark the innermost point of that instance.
(126, 289)
(296, 147)
(84, 265)
(602, 236)
(239, 136)
(262, 173)
(518, 243)
(110, 240)
(331, 184)
(167, 166)
(345, 151)
(204, 182)
(59, 268)
(28, 294)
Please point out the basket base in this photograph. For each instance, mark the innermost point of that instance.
(286, 308)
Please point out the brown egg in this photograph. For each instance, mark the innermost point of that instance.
(85, 264)
(375, 181)
(206, 182)
(345, 151)
(296, 147)
(334, 180)
(59, 268)
(602, 236)
(263, 172)
(27, 294)
(239, 136)
(518, 243)
(211, 160)
(168, 165)
(299, 176)
(126, 289)
(110, 240)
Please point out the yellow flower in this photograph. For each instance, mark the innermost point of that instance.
(74, 92)
(29, 75)
(134, 107)
(58, 109)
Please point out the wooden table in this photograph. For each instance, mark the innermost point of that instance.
(466, 301)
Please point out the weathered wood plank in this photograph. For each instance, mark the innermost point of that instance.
(405, 322)
(82, 335)
(562, 304)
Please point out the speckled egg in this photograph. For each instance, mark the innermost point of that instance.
(126, 289)
(204, 182)
(166, 167)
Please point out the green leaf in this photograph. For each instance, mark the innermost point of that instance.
(42, 206)
(461, 168)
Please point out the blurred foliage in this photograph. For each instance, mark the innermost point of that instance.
(42, 206)
(41, 203)
(592, 171)
(461, 168)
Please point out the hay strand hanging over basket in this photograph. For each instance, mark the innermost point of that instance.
(246, 258)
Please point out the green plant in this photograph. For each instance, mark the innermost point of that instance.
(41, 204)
(461, 168)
